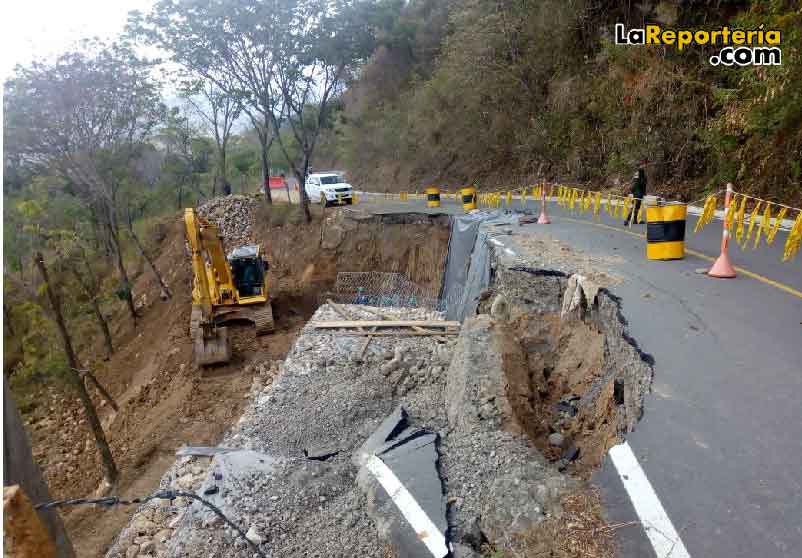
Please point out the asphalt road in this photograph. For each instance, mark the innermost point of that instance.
(721, 436)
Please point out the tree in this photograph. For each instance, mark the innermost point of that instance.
(187, 154)
(86, 115)
(318, 44)
(219, 110)
(75, 369)
(227, 43)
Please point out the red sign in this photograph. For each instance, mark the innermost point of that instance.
(278, 182)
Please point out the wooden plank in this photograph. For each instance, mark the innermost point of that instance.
(341, 311)
(366, 343)
(385, 323)
(383, 316)
(407, 333)
(20, 468)
(24, 536)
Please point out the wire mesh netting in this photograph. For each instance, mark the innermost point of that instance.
(383, 289)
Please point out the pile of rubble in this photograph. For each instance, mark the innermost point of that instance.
(298, 472)
(234, 216)
(153, 525)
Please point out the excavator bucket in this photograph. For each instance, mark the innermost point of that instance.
(215, 349)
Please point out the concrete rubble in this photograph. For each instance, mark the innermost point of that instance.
(473, 479)
(234, 216)
(298, 473)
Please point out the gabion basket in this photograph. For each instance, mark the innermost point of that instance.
(382, 289)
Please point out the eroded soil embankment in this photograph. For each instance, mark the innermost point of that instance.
(575, 379)
(165, 402)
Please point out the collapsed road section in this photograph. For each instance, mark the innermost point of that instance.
(395, 432)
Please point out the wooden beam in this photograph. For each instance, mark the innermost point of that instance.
(404, 333)
(385, 323)
(24, 536)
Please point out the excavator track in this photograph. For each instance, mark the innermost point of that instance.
(260, 315)
(263, 319)
(195, 318)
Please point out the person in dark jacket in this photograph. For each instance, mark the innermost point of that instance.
(638, 192)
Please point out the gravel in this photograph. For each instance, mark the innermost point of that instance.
(323, 398)
(234, 216)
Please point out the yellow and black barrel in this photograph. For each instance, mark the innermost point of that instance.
(468, 198)
(665, 231)
(433, 196)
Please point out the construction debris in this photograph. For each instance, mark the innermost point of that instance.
(234, 216)
(404, 491)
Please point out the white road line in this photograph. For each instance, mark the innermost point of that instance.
(664, 538)
(427, 531)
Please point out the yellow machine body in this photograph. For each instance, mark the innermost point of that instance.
(217, 296)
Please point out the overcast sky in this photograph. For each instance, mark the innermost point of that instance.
(31, 29)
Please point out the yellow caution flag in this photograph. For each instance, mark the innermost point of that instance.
(708, 212)
(776, 226)
(642, 212)
(625, 208)
(764, 225)
(596, 204)
(794, 239)
(739, 220)
(729, 215)
(752, 219)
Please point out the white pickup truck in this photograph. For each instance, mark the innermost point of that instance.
(328, 188)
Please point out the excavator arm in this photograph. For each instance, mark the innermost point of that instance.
(212, 285)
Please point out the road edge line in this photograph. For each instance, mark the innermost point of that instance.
(665, 540)
(424, 527)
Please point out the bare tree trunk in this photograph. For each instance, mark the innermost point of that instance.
(304, 198)
(126, 283)
(266, 170)
(72, 361)
(103, 391)
(89, 286)
(165, 290)
(7, 320)
(225, 186)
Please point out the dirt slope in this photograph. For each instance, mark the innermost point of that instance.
(165, 402)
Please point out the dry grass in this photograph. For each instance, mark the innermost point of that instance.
(580, 532)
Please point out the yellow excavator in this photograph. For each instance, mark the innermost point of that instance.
(225, 290)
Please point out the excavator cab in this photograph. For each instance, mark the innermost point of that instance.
(248, 269)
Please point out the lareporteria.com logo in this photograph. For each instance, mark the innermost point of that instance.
(740, 47)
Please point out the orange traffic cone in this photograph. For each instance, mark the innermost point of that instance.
(543, 219)
(722, 267)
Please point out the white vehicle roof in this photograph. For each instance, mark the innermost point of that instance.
(332, 173)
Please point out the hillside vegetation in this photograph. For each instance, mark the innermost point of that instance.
(503, 93)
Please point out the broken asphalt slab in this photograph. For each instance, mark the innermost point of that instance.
(410, 508)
